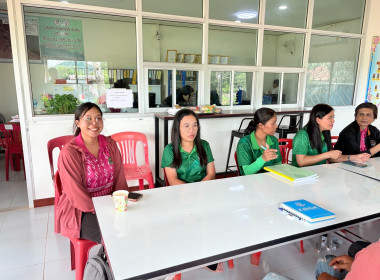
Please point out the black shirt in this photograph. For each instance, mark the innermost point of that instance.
(349, 139)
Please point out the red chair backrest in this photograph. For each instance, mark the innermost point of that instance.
(237, 164)
(285, 148)
(127, 143)
(12, 137)
(333, 143)
(58, 142)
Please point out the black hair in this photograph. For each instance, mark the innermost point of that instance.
(81, 111)
(318, 111)
(276, 82)
(262, 115)
(367, 105)
(186, 90)
(176, 139)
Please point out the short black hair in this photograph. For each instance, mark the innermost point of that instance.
(367, 106)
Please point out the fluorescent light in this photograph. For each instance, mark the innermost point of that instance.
(238, 21)
(247, 15)
(66, 2)
(283, 7)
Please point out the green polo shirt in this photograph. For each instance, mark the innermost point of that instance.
(249, 154)
(190, 170)
(301, 146)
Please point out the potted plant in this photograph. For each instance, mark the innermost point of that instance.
(62, 104)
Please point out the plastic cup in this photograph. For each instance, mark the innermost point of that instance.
(120, 199)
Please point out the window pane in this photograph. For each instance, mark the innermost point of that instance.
(348, 19)
(293, 13)
(283, 49)
(232, 45)
(157, 88)
(271, 88)
(242, 88)
(70, 65)
(191, 8)
(220, 88)
(161, 36)
(290, 88)
(238, 10)
(119, 4)
(331, 70)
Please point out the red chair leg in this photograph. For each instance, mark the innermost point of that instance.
(177, 276)
(81, 257)
(6, 165)
(231, 264)
(301, 247)
(72, 254)
(141, 184)
(255, 258)
(150, 181)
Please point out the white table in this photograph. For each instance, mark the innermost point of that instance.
(178, 228)
(372, 170)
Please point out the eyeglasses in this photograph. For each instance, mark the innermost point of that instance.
(187, 127)
(91, 120)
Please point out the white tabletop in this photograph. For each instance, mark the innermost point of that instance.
(372, 169)
(176, 228)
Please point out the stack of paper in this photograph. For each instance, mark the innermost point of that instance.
(292, 173)
(305, 210)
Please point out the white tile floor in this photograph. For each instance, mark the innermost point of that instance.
(31, 250)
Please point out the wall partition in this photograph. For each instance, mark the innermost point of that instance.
(154, 54)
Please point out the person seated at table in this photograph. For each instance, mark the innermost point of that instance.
(365, 265)
(259, 148)
(185, 97)
(360, 137)
(188, 158)
(90, 165)
(312, 144)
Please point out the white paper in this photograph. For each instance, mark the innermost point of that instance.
(119, 98)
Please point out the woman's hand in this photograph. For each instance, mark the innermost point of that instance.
(269, 154)
(334, 154)
(364, 157)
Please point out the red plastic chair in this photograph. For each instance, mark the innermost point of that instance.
(255, 257)
(335, 138)
(127, 142)
(78, 247)
(13, 145)
(58, 142)
(285, 148)
(178, 276)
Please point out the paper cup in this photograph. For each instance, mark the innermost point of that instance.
(120, 199)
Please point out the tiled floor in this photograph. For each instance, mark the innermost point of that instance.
(31, 250)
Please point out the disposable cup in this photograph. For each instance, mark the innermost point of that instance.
(120, 199)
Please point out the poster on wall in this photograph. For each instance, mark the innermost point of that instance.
(61, 38)
(373, 83)
(31, 30)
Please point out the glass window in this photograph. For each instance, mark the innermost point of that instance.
(271, 88)
(331, 70)
(191, 8)
(290, 88)
(220, 87)
(158, 88)
(348, 19)
(119, 4)
(283, 49)
(186, 84)
(74, 66)
(172, 41)
(242, 88)
(286, 13)
(239, 10)
(232, 46)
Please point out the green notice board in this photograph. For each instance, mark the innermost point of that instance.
(61, 38)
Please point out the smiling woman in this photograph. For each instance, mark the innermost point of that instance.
(89, 165)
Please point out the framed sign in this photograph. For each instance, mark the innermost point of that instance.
(224, 60)
(171, 56)
(214, 59)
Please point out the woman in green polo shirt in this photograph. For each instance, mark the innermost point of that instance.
(188, 158)
(312, 144)
(259, 148)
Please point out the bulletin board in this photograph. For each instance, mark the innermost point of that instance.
(373, 83)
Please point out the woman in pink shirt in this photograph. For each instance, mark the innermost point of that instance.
(89, 165)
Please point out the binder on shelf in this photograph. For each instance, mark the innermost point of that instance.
(292, 173)
(307, 211)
